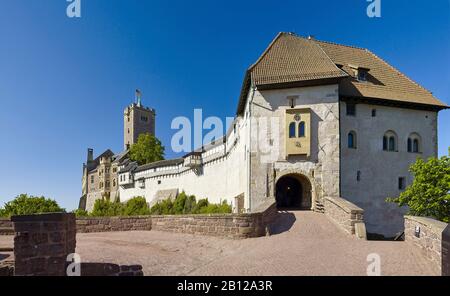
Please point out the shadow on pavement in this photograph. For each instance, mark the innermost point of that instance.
(283, 223)
(4, 256)
(110, 269)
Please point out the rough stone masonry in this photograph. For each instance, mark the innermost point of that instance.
(42, 243)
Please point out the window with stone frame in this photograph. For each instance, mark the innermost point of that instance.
(351, 140)
(390, 141)
(292, 126)
(302, 129)
(351, 109)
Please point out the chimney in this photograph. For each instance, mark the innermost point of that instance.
(90, 155)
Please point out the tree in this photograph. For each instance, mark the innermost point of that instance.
(29, 205)
(429, 194)
(148, 149)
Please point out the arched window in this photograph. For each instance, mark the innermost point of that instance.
(301, 129)
(390, 141)
(351, 140)
(292, 130)
(415, 145)
(414, 142)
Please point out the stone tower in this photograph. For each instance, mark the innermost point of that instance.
(137, 120)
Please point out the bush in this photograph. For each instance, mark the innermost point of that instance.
(136, 206)
(29, 205)
(222, 208)
(3, 213)
(81, 213)
(189, 204)
(106, 208)
(185, 204)
(202, 203)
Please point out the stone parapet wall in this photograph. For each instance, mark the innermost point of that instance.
(426, 233)
(235, 226)
(5, 223)
(107, 224)
(6, 227)
(42, 243)
(346, 215)
(220, 225)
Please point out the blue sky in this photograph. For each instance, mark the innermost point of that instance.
(64, 82)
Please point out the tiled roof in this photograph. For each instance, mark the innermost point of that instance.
(162, 163)
(383, 80)
(291, 59)
(282, 63)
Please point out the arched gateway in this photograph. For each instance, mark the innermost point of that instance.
(293, 191)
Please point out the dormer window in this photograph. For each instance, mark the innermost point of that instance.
(360, 72)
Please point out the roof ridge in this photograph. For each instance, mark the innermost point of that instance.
(400, 72)
(339, 44)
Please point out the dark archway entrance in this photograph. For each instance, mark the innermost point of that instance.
(293, 192)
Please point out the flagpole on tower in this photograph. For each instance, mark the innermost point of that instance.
(138, 97)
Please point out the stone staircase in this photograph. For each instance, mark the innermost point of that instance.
(319, 207)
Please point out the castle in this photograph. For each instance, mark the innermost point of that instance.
(314, 119)
(100, 175)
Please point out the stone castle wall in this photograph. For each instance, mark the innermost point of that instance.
(380, 170)
(222, 176)
(269, 159)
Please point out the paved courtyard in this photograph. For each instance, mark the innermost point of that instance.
(307, 243)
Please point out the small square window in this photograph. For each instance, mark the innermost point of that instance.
(401, 183)
(362, 75)
(159, 182)
(351, 109)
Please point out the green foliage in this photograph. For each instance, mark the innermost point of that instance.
(202, 203)
(136, 206)
(81, 213)
(185, 204)
(29, 205)
(429, 194)
(189, 204)
(178, 205)
(147, 149)
(222, 208)
(3, 213)
(106, 208)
